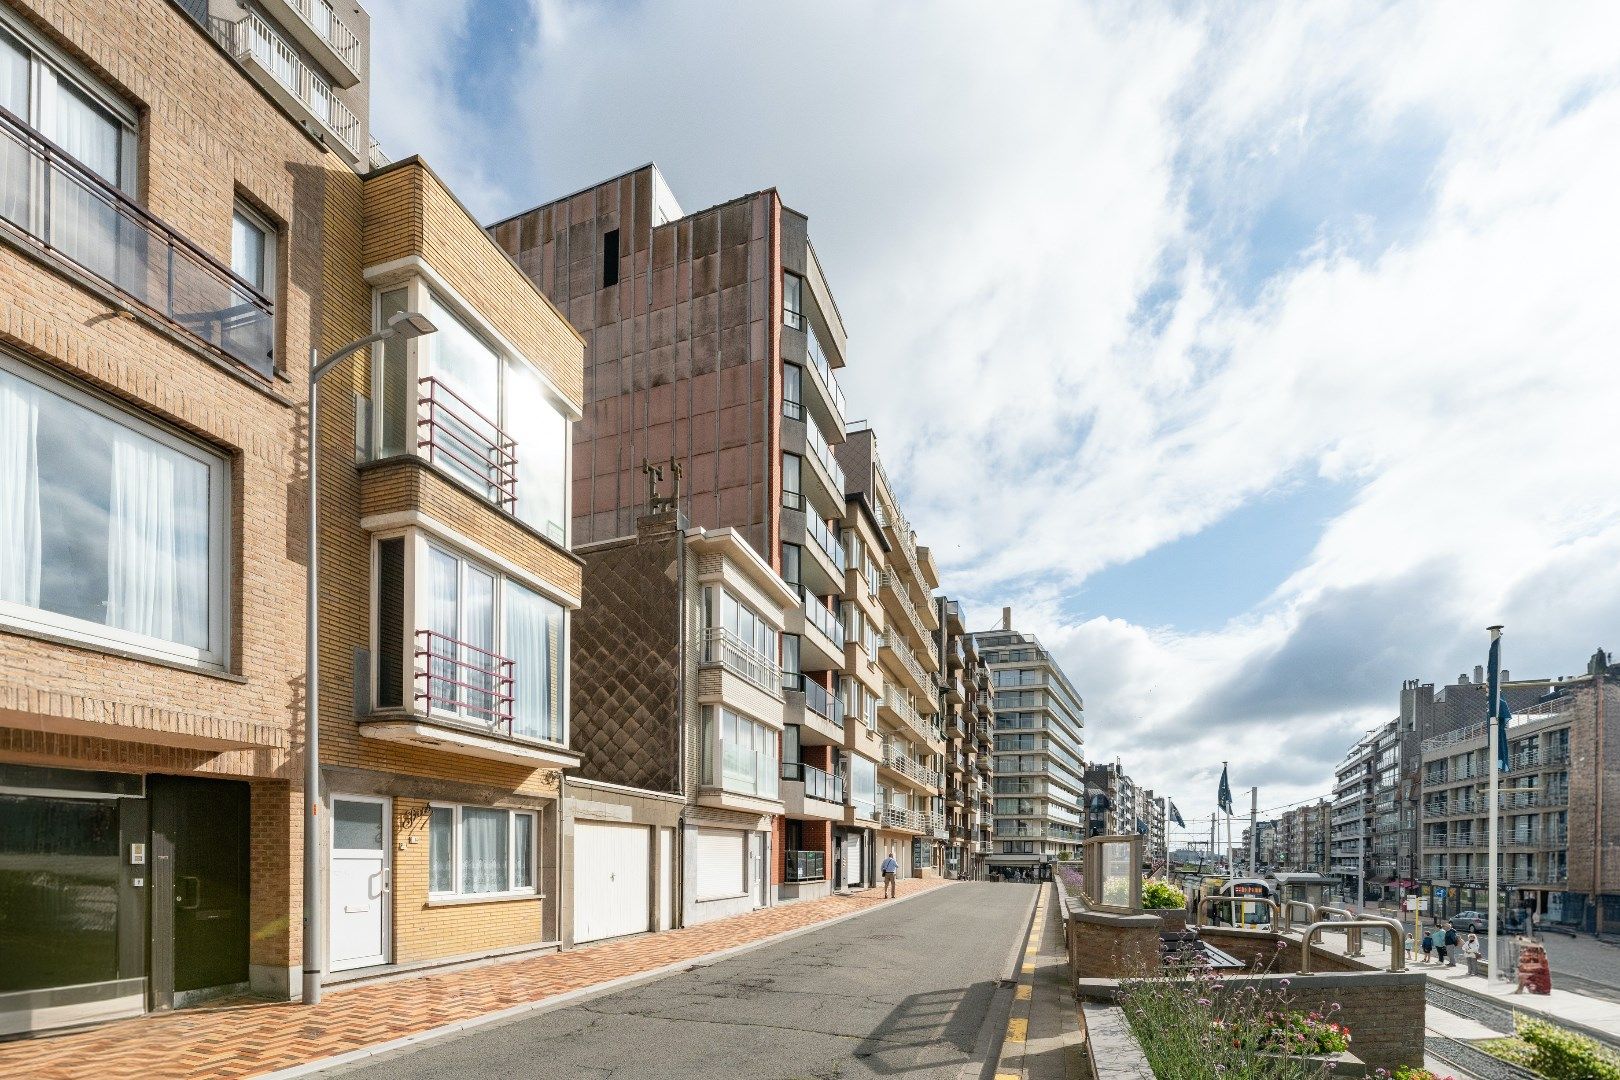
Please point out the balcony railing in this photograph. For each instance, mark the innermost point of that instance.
(897, 585)
(457, 436)
(749, 772)
(897, 643)
(903, 818)
(822, 618)
(818, 446)
(897, 759)
(818, 360)
(818, 783)
(323, 19)
(825, 539)
(896, 702)
(456, 677)
(806, 866)
(251, 36)
(62, 206)
(825, 705)
(722, 647)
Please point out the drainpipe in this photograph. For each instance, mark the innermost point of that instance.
(1597, 830)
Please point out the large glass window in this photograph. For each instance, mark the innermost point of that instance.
(479, 851)
(110, 528)
(793, 300)
(253, 250)
(739, 754)
(863, 786)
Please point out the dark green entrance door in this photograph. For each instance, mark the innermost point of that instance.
(200, 886)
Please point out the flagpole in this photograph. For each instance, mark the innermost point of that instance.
(1254, 830)
(1493, 737)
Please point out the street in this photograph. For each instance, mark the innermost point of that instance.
(910, 990)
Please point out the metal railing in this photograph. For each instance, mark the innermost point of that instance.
(59, 204)
(251, 36)
(1397, 938)
(323, 19)
(722, 647)
(805, 866)
(821, 617)
(817, 699)
(825, 539)
(898, 644)
(897, 759)
(456, 677)
(818, 783)
(896, 584)
(903, 818)
(817, 442)
(896, 702)
(818, 360)
(456, 435)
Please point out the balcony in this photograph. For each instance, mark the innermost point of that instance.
(723, 649)
(954, 694)
(819, 714)
(828, 402)
(900, 711)
(821, 635)
(316, 26)
(825, 540)
(897, 651)
(59, 205)
(956, 763)
(804, 866)
(260, 48)
(896, 761)
(821, 479)
(955, 626)
(461, 440)
(913, 821)
(809, 792)
(896, 597)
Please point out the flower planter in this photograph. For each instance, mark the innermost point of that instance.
(1343, 1063)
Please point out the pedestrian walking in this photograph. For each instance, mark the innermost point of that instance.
(1452, 941)
(890, 869)
(1428, 946)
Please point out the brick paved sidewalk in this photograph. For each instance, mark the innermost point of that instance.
(257, 1037)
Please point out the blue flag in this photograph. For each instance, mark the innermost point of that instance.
(1494, 698)
(1175, 815)
(1223, 798)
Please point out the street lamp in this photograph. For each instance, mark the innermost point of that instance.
(404, 325)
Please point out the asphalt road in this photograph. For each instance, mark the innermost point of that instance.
(913, 990)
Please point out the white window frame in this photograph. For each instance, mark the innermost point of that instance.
(512, 813)
(272, 245)
(217, 655)
(713, 755)
(419, 291)
(417, 592)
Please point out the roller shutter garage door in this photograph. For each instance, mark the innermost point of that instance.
(721, 863)
(612, 879)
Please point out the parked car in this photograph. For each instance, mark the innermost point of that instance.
(1473, 922)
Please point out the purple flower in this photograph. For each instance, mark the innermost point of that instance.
(1205, 1001)
(1284, 983)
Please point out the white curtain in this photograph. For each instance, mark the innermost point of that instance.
(444, 589)
(84, 223)
(157, 542)
(20, 556)
(480, 667)
(541, 433)
(534, 631)
(484, 850)
(14, 186)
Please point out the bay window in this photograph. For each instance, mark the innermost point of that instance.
(112, 529)
(480, 851)
(489, 651)
(738, 638)
(739, 753)
(484, 416)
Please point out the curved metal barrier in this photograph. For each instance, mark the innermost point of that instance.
(1287, 908)
(1397, 939)
(1266, 900)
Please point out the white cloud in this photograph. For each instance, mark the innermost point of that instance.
(1039, 229)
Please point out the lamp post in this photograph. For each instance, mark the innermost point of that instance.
(404, 325)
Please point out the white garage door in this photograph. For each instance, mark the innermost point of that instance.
(612, 883)
(721, 861)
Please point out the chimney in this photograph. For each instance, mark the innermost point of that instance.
(1479, 673)
(1462, 680)
(1006, 618)
(1504, 675)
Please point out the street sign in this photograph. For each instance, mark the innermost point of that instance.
(1439, 892)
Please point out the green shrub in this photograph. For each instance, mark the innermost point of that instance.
(1162, 894)
(1563, 1055)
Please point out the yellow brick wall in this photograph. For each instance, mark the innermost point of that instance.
(424, 933)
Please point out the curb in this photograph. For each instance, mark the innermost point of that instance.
(1010, 1059)
(1607, 1038)
(567, 997)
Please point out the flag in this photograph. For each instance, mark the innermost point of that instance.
(1175, 815)
(1223, 798)
(1495, 699)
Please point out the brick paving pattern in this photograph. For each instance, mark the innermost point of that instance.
(250, 1038)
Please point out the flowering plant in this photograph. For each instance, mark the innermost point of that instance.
(1299, 1033)
(1407, 1072)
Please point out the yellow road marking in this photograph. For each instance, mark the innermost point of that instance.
(1017, 1030)
(1028, 969)
(1021, 993)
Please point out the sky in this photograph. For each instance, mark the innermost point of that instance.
(1259, 356)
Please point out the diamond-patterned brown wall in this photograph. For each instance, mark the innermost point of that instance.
(626, 709)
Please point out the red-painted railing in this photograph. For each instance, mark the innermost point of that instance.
(453, 676)
(464, 440)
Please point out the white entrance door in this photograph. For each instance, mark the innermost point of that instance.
(666, 878)
(612, 879)
(358, 885)
(852, 859)
(759, 881)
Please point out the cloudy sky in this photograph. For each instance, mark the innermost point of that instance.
(1258, 355)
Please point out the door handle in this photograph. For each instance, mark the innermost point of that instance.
(195, 889)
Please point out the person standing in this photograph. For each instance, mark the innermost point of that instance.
(890, 869)
(1471, 946)
(1439, 944)
(1428, 945)
(1451, 942)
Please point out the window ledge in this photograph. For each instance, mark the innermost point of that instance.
(108, 649)
(482, 898)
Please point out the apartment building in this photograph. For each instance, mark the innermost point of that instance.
(1562, 755)
(1039, 744)
(712, 347)
(1158, 824)
(1303, 840)
(1354, 782)
(969, 756)
(689, 762)
(165, 232)
(450, 587)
